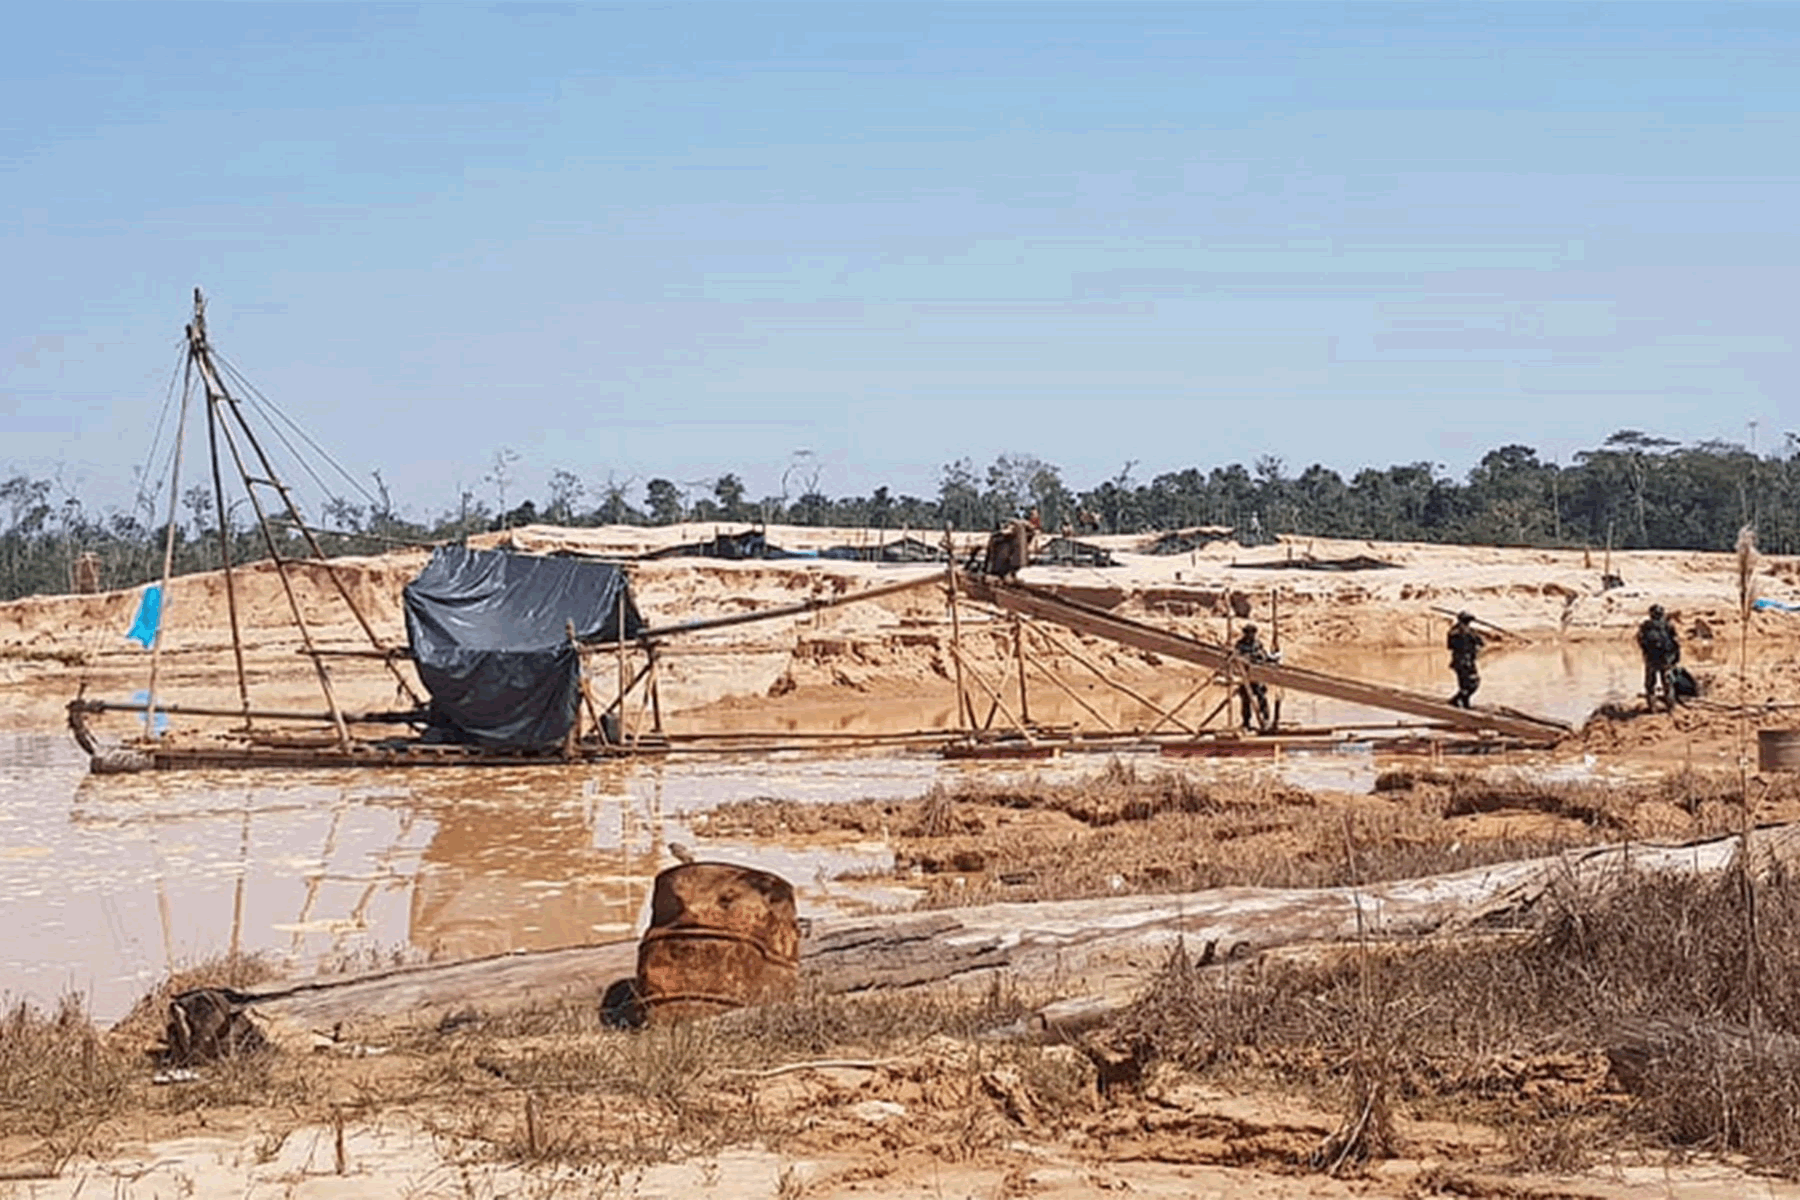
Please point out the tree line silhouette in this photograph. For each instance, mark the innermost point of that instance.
(1633, 491)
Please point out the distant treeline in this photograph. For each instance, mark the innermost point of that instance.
(1634, 491)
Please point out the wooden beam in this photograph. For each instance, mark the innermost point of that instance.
(1068, 691)
(1109, 681)
(789, 610)
(994, 694)
(267, 714)
(965, 708)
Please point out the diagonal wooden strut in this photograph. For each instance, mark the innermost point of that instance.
(221, 401)
(1083, 618)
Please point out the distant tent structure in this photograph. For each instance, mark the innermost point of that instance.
(1067, 552)
(1355, 562)
(490, 634)
(901, 550)
(748, 544)
(1186, 541)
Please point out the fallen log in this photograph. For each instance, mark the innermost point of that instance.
(1121, 939)
(1637, 1045)
(907, 952)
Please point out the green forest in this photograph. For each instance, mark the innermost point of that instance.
(1635, 490)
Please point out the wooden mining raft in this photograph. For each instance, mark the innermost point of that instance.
(614, 706)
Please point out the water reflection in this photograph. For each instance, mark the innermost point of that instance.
(1564, 681)
(110, 881)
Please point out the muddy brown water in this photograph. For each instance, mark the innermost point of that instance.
(1562, 681)
(107, 882)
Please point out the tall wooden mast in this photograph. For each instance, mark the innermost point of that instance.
(227, 423)
(217, 398)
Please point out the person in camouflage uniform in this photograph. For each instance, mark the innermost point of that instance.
(1662, 652)
(1465, 644)
(1253, 698)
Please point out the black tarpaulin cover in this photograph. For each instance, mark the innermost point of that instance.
(489, 634)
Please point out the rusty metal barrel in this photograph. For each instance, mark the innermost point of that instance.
(721, 936)
(1778, 750)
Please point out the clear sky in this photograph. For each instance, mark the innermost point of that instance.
(676, 240)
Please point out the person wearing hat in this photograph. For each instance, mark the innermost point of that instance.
(1465, 644)
(1662, 652)
(1253, 697)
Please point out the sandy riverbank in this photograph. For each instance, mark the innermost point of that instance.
(1368, 623)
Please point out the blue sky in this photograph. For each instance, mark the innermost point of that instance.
(677, 240)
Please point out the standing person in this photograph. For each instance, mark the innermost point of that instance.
(1465, 644)
(1009, 548)
(1253, 697)
(1662, 651)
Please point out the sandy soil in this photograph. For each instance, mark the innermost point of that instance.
(1170, 1149)
(893, 649)
(885, 1131)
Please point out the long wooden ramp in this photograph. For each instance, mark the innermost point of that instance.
(1084, 618)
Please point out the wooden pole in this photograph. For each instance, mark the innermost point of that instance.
(1071, 693)
(266, 714)
(592, 706)
(162, 905)
(987, 722)
(619, 632)
(787, 610)
(1109, 681)
(998, 701)
(287, 585)
(237, 891)
(216, 387)
(237, 639)
(619, 702)
(573, 736)
(1222, 705)
(1499, 629)
(655, 686)
(1275, 647)
(648, 675)
(168, 566)
(1185, 701)
(1019, 654)
(965, 712)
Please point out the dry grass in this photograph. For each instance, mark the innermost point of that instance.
(67, 1088)
(1127, 831)
(1516, 1032)
(1623, 1018)
(554, 1084)
(59, 1080)
(550, 1085)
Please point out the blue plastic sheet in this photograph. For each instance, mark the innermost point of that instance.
(149, 616)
